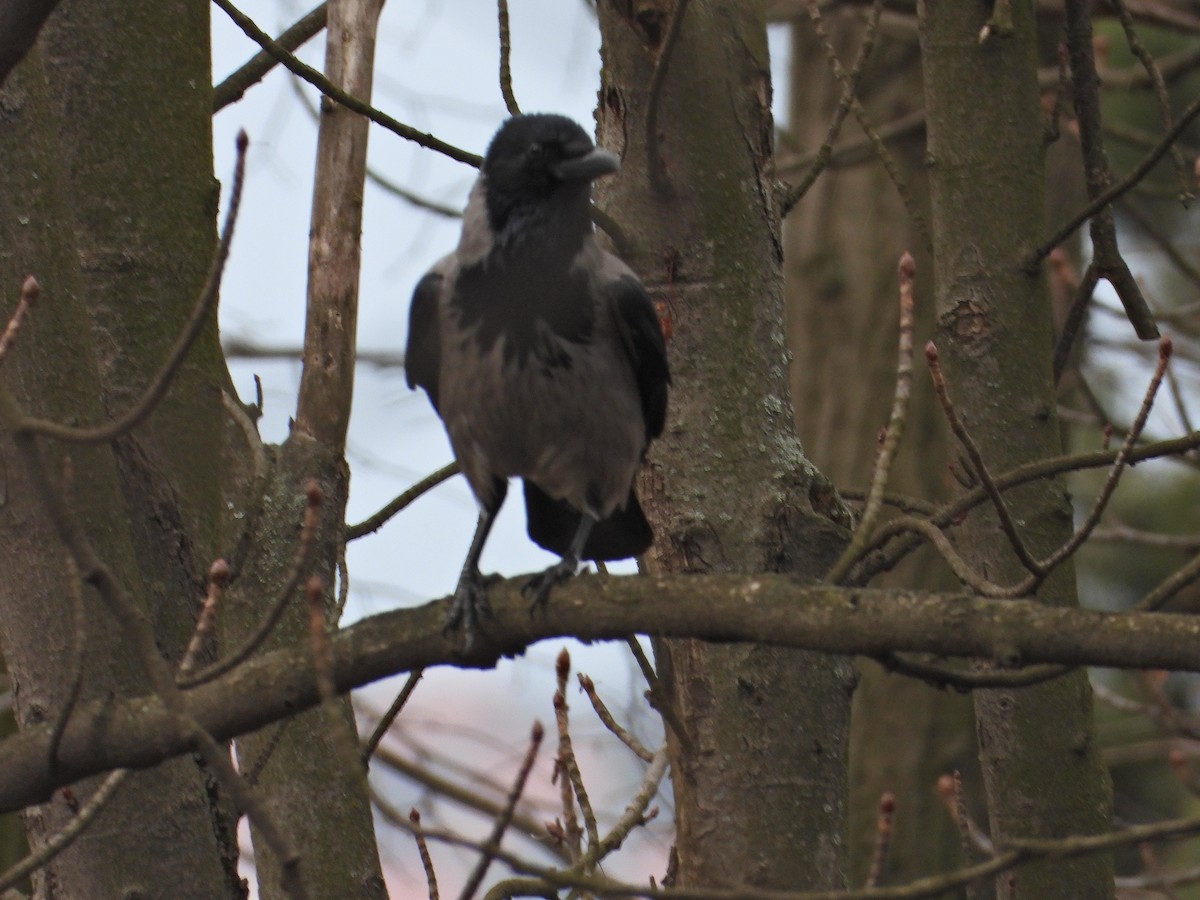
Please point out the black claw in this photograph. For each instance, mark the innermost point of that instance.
(469, 605)
(542, 583)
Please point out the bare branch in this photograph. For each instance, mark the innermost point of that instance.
(376, 521)
(506, 88)
(1117, 190)
(304, 545)
(979, 466)
(371, 744)
(589, 688)
(63, 839)
(860, 114)
(235, 86)
(492, 844)
(329, 89)
(1160, 93)
(426, 859)
(30, 291)
(762, 608)
(895, 427)
(794, 194)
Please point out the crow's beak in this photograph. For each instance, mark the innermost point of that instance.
(587, 167)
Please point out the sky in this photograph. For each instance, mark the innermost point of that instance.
(436, 69)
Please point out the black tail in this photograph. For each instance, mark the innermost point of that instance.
(552, 523)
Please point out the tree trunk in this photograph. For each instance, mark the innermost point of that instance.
(1041, 766)
(842, 244)
(311, 762)
(182, 846)
(759, 774)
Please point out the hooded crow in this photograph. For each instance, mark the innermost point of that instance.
(544, 357)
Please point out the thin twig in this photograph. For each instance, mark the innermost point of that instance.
(1118, 467)
(506, 88)
(569, 769)
(1106, 255)
(245, 77)
(318, 638)
(1121, 533)
(572, 833)
(1014, 852)
(381, 181)
(895, 427)
(492, 844)
(304, 544)
(218, 580)
(376, 521)
(589, 688)
(529, 827)
(1169, 587)
(329, 89)
(980, 468)
(971, 838)
(423, 849)
(883, 839)
(1160, 93)
(864, 121)
(385, 721)
(78, 649)
(62, 839)
(972, 679)
(635, 813)
(1117, 190)
(658, 696)
(30, 291)
(794, 194)
(941, 543)
(1074, 320)
(880, 559)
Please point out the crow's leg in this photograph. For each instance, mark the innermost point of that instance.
(470, 597)
(539, 585)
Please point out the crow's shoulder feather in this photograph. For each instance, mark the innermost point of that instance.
(642, 337)
(423, 356)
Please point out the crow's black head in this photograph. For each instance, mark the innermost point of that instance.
(539, 160)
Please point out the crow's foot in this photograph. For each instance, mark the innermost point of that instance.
(539, 585)
(469, 606)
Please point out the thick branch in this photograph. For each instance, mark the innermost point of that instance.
(771, 609)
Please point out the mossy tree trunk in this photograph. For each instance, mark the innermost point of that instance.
(842, 245)
(108, 198)
(1041, 766)
(759, 774)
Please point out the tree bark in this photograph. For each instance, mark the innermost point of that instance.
(312, 761)
(727, 486)
(178, 848)
(1041, 765)
(842, 244)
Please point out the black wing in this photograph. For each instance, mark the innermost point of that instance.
(642, 336)
(423, 356)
